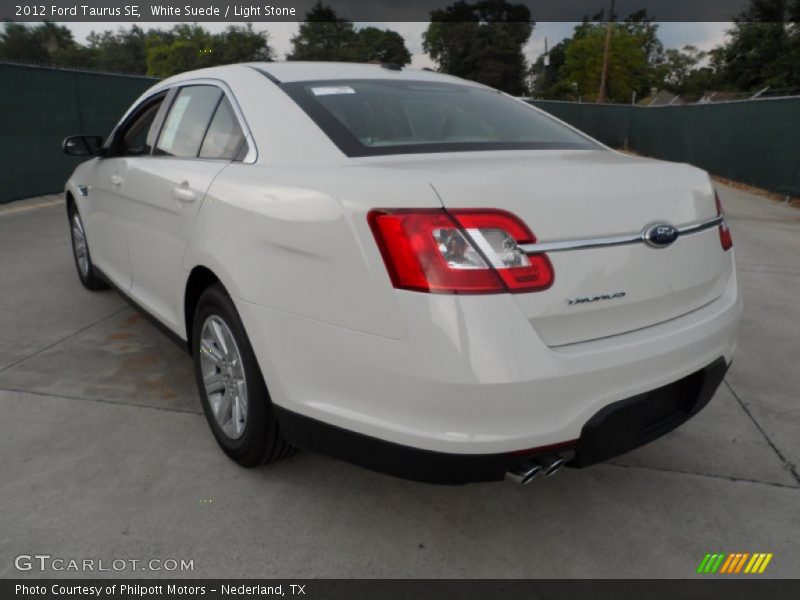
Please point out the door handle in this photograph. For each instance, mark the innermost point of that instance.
(116, 180)
(183, 193)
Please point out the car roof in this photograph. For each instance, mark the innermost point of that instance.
(291, 71)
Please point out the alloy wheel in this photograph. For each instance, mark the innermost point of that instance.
(79, 245)
(223, 376)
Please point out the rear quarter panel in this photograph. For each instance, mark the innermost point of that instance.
(297, 240)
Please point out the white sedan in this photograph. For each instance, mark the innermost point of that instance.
(408, 271)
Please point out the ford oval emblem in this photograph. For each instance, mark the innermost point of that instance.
(660, 235)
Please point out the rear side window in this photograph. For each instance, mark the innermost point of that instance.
(224, 138)
(187, 121)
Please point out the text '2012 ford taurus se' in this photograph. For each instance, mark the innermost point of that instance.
(408, 271)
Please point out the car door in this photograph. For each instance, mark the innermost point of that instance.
(199, 137)
(106, 208)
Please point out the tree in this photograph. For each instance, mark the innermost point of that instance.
(19, 42)
(645, 35)
(645, 30)
(628, 69)
(547, 78)
(123, 51)
(381, 45)
(241, 44)
(482, 42)
(763, 48)
(688, 72)
(678, 66)
(325, 36)
(185, 49)
(46, 43)
(188, 47)
(636, 61)
(156, 52)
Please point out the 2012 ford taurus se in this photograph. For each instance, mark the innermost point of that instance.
(408, 271)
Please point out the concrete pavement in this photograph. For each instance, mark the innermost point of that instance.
(106, 455)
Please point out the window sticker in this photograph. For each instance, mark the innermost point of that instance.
(332, 89)
(174, 119)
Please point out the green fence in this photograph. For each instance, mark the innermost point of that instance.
(755, 141)
(39, 107)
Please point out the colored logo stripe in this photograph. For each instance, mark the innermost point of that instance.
(711, 563)
(765, 563)
(727, 564)
(703, 563)
(753, 563)
(735, 562)
(758, 563)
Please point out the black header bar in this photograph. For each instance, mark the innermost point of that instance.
(261, 11)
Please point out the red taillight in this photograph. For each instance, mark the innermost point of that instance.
(724, 233)
(458, 252)
(497, 235)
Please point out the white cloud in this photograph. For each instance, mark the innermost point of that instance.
(704, 36)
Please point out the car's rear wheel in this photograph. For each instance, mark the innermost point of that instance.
(233, 393)
(80, 252)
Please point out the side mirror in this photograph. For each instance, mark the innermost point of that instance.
(82, 145)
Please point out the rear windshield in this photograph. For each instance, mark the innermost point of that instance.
(376, 117)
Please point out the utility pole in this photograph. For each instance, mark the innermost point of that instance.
(601, 96)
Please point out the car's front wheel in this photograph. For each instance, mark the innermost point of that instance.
(234, 396)
(80, 252)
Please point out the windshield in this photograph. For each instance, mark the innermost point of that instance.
(376, 117)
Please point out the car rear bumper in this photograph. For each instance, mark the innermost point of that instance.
(472, 377)
(614, 430)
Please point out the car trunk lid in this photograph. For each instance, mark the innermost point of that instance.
(580, 195)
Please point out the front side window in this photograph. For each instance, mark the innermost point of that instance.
(187, 121)
(378, 117)
(138, 134)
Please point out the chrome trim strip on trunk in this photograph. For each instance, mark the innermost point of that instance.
(617, 240)
(688, 229)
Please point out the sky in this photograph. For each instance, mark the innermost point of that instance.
(674, 35)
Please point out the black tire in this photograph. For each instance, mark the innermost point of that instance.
(88, 274)
(261, 441)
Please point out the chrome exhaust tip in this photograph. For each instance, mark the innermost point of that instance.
(551, 464)
(524, 473)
